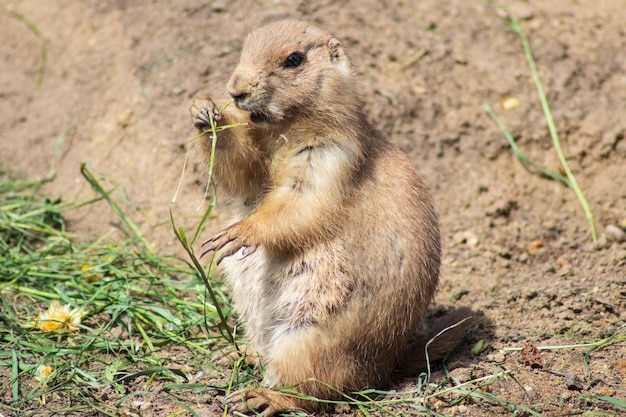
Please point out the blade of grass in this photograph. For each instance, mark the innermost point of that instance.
(517, 28)
(428, 370)
(132, 227)
(225, 329)
(43, 53)
(518, 152)
(15, 186)
(15, 374)
(181, 235)
(616, 337)
(616, 402)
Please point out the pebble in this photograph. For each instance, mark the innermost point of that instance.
(178, 91)
(497, 357)
(219, 6)
(513, 336)
(526, 14)
(468, 237)
(462, 374)
(565, 315)
(614, 233)
(573, 383)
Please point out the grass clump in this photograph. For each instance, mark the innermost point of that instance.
(86, 318)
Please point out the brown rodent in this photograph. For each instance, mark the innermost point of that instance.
(334, 253)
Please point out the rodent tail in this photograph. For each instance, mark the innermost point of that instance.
(445, 334)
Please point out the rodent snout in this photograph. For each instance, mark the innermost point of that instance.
(239, 89)
(240, 99)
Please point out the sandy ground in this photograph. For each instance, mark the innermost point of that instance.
(119, 77)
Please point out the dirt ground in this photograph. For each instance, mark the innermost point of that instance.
(119, 78)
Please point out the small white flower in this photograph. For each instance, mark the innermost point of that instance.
(58, 318)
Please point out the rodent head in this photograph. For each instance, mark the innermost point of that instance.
(291, 69)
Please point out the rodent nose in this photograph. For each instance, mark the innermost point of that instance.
(239, 98)
(237, 89)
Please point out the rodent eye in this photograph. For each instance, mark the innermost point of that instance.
(294, 60)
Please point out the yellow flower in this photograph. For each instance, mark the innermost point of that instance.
(43, 372)
(509, 103)
(89, 276)
(59, 318)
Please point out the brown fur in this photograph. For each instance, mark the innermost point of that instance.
(334, 253)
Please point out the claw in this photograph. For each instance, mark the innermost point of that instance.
(229, 241)
(203, 109)
(230, 252)
(214, 238)
(256, 399)
(205, 252)
(247, 251)
(216, 244)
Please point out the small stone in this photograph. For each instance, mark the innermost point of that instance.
(620, 366)
(460, 59)
(549, 269)
(125, 118)
(573, 383)
(601, 243)
(178, 91)
(497, 357)
(219, 6)
(565, 315)
(566, 271)
(513, 336)
(458, 294)
(468, 237)
(614, 233)
(462, 374)
(526, 14)
(502, 252)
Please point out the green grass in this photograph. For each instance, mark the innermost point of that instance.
(567, 179)
(135, 304)
(43, 48)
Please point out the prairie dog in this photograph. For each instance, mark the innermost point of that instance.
(334, 253)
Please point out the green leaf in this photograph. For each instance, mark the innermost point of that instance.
(183, 235)
(120, 364)
(614, 401)
(15, 380)
(480, 347)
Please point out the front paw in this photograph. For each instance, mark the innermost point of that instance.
(202, 110)
(260, 401)
(230, 241)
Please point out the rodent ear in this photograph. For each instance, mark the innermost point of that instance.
(338, 55)
(336, 50)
